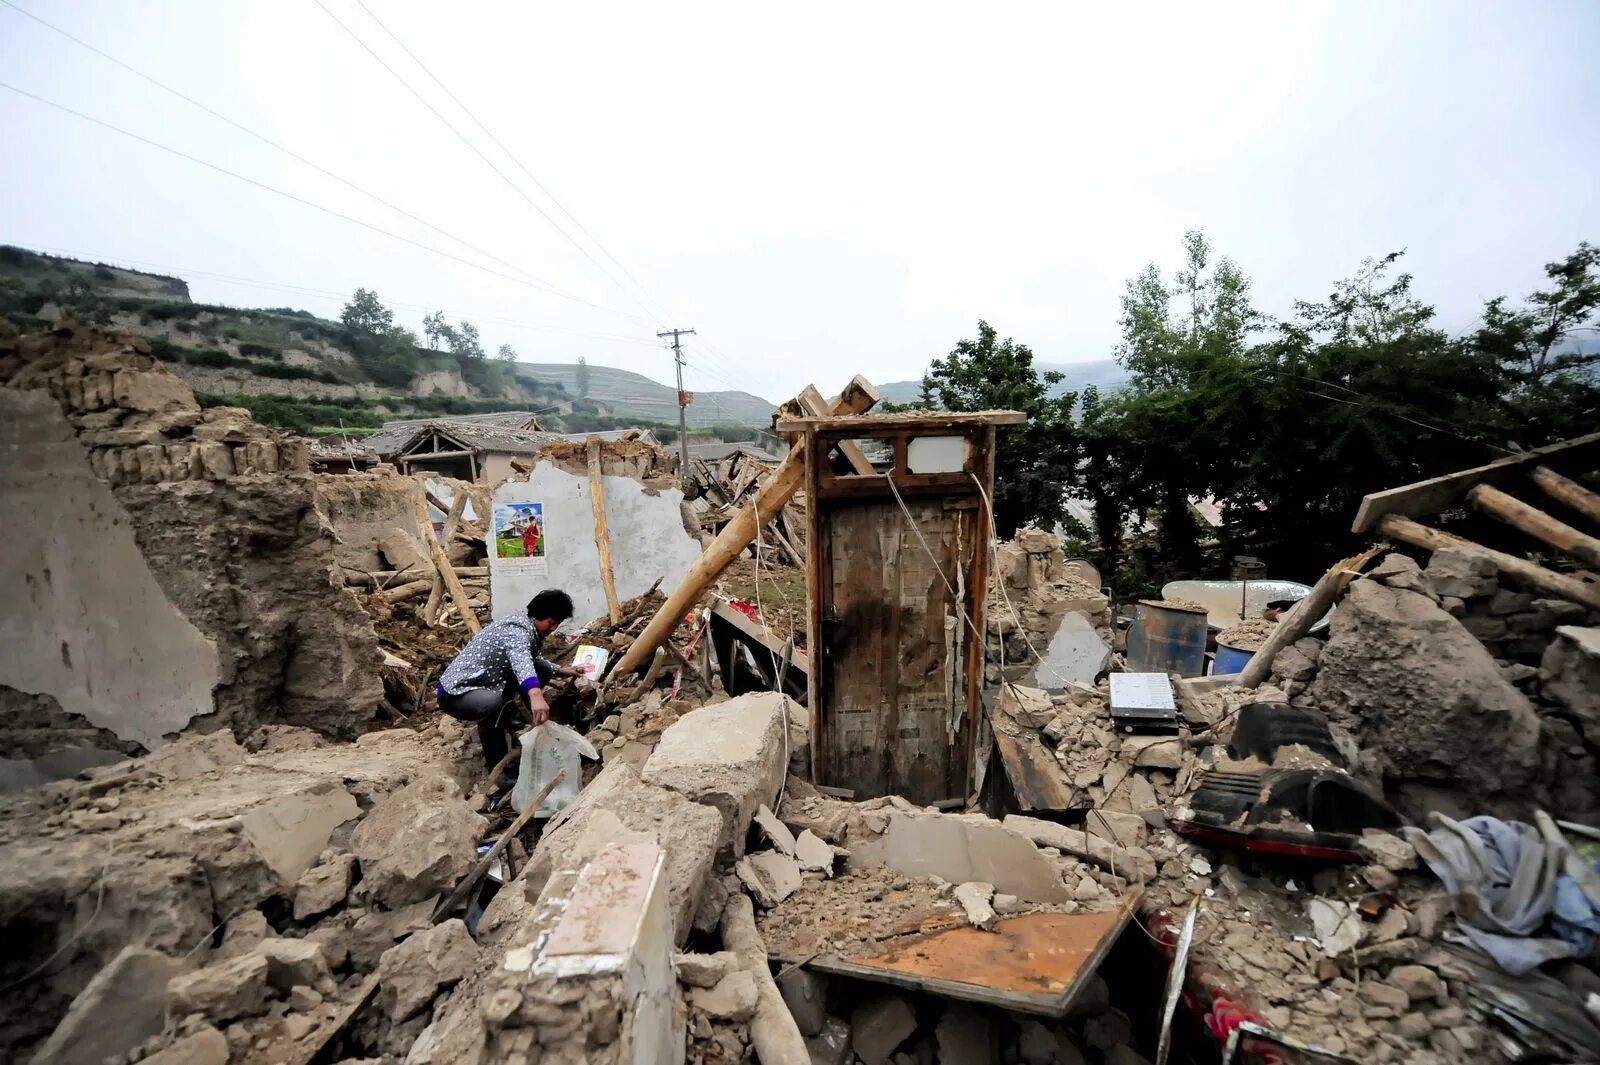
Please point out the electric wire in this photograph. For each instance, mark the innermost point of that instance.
(301, 199)
(490, 163)
(269, 142)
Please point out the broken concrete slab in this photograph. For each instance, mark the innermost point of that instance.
(1154, 752)
(769, 876)
(729, 757)
(122, 1006)
(732, 999)
(878, 1026)
(323, 887)
(959, 848)
(410, 975)
(291, 830)
(1076, 654)
(974, 900)
(775, 830)
(416, 843)
(242, 933)
(704, 970)
(294, 963)
(1029, 707)
(237, 987)
(375, 931)
(1107, 855)
(813, 854)
(687, 831)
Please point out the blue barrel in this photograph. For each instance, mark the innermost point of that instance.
(1164, 639)
(1232, 659)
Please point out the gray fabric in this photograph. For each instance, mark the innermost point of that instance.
(504, 653)
(1502, 875)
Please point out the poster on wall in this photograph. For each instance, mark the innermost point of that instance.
(519, 542)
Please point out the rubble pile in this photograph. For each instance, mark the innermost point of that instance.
(650, 464)
(1032, 590)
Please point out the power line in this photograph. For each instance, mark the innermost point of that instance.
(657, 311)
(475, 150)
(269, 142)
(302, 200)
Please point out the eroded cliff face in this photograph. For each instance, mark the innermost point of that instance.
(167, 567)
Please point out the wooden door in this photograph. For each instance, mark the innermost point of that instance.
(895, 686)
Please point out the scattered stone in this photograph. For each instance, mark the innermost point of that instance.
(416, 843)
(1418, 982)
(411, 974)
(1379, 878)
(1154, 752)
(1389, 927)
(205, 1046)
(236, 987)
(1378, 993)
(124, 1004)
(770, 877)
(1036, 1044)
(1292, 664)
(242, 934)
(813, 853)
(375, 932)
(778, 832)
(1108, 1030)
(974, 899)
(323, 887)
(704, 970)
(964, 1035)
(732, 999)
(878, 1026)
(304, 999)
(1464, 574)
(1389, 851)
(1007, 904)
(1029, 707)
(1414, 1027)
(292, 962)
(806, 995)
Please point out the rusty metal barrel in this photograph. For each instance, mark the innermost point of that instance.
(1167, 639)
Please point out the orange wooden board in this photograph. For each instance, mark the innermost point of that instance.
(1036, 963)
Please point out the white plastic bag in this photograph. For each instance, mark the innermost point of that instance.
(546, 750)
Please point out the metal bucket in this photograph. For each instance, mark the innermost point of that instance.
(1231, 659)
(1167, 640)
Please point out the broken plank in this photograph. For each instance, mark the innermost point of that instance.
(873, 424)
(602, 535)
(1036, 777)
(1435, 494)
(442, 564)
(812, 403)
(1303, 615)
(430, 611)
(1404, 529)
(1536, 523)
(1567, 491)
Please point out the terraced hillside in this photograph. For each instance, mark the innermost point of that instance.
(639, 396)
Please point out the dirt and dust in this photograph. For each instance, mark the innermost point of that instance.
(1248, 635)
(1176, 604)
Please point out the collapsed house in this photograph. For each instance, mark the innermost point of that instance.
(238, 831)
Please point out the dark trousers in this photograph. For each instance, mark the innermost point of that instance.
(499, 715)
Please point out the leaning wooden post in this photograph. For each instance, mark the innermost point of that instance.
(1565, 490)
(1536, 523)
(1302, 616)
(1397, 527)
(442, 563)
(858, 398)
(430, 611)
(602, 535)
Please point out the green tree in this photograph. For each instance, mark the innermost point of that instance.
(581, 377)
(1536, 338)
(463, 340)
(507, 353)
(367, 313)
(1036, 462)
(434, 327)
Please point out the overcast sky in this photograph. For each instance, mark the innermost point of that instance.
(820, 189)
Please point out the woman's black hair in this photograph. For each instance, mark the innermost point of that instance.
(551, 604)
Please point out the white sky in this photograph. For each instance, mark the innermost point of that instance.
(820, 189)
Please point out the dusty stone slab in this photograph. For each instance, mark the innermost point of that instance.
(879, 1025)
(962, 848)
(1571, 675)
(733, 999)
(122, 1006)
(416, 843)
(770, 877)
(728, 757)
(237, 987)
(323, 887)
(204, 1047)
(1120, 860)
(411, 974)
(704, 970)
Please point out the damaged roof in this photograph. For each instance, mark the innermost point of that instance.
(395, 435)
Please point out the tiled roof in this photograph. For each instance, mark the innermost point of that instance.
(396, 435)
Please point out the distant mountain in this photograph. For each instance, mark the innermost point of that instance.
(1104, 374)
(633, 395)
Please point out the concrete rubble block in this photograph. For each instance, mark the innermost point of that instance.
(206, 1046)
(231, 425)
(291, 830)
(1570, 671)
(1292, 664)
(1154, 752)
(704, 970)
(730, 757)
(1377, 993)
(1120, 860)
(1076, 653)
(959, 848)
(1464, 574)
(323, 887)
(615, 801)
(1029, 707)
(769, 876)
(879, 1025)
(806, 995)
(1388, 850)
(416, 843)
(776, 831)
(1420, 691)
(411, 974)
(1121, 828)
(832, 1045)
(124, 1004)
(374, 932)
(813, 854)
(965, 1034)
(733, 999)
(708, 914)
(151, 390)
(294, 963)
(237, 987)
(974, 899)
(242, 933)
(1418, 982)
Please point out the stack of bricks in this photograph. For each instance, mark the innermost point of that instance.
(139, 421)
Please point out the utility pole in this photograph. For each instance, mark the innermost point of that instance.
(683, 402)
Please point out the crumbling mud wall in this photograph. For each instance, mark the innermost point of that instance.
(179, 570)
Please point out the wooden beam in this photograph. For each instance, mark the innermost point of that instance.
(463, 889)
(735, 537)
(430, 610)
(1567, 491)
(442, 564)
(1303, 615)
(870, 425)
(1536, 523)
(812, 403)
(1433, 495)
(1404, 529)
(602, 535)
